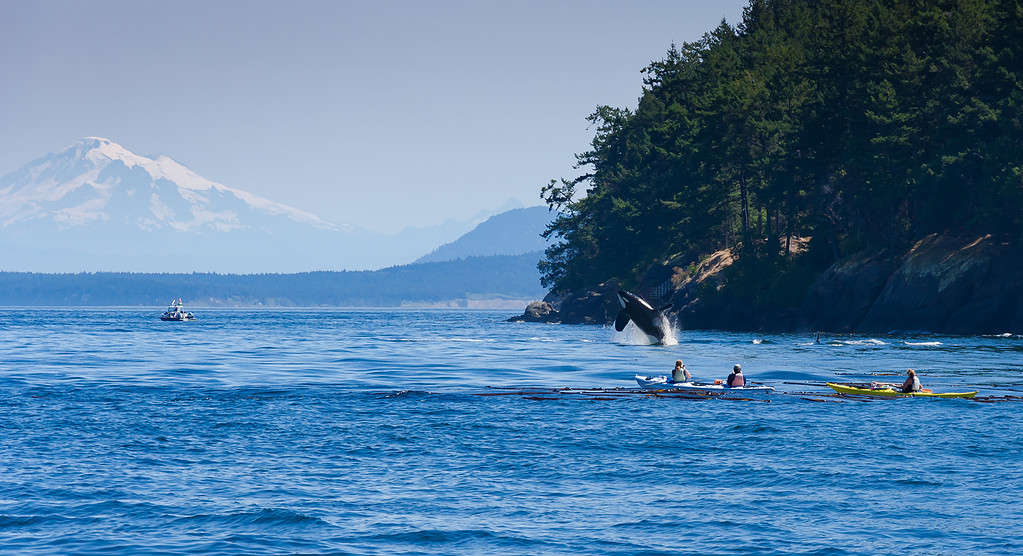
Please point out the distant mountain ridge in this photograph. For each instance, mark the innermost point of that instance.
(97, 206)
(512, 232)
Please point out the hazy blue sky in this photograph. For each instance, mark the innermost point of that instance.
(378, 114)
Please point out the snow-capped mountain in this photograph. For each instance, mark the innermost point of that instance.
(98, 206)
(96, 180)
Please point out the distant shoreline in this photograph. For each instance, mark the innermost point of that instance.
(498, 281)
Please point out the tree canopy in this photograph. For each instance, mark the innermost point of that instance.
(863, 124)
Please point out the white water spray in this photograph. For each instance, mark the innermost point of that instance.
(633, 336)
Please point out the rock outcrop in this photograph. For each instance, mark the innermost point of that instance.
(952, 284)
(843, 294)
(691, 307)
(944, 283)
(538, 311)
(594, 306)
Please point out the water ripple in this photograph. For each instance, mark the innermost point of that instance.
(365, 432)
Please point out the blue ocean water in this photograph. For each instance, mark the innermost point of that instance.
(367, 432)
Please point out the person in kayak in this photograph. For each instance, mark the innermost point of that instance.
(912, 383)
(736, 379)
(680, 373)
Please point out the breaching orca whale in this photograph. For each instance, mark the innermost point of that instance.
(651, 321)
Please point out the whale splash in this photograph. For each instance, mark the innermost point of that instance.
(648, 325)
(633, 336)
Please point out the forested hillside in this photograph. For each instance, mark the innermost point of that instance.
(862, 125)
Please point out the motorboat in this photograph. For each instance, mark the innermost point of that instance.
(176, 312)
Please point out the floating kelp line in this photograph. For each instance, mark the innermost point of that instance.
(819, 400)
(624, 393)
(608, 394)
(996, 399)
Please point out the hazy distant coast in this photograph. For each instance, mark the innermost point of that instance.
(96, 205)
(498, 281)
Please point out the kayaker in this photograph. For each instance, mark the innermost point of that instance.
(680, 373)
(912, 383)
(736, 379)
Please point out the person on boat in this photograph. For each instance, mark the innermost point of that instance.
(736, 379)
(680, 373)
(912, 383)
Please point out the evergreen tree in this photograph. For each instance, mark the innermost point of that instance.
(863, 124)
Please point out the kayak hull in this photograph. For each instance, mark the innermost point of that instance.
(662, 383)
(889, 393)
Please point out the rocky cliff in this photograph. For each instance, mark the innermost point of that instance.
(943, 283)
(951, 284)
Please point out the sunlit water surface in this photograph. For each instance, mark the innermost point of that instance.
(276, 431)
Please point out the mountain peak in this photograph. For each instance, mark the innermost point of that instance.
(512, 232)
(98, 180)
(100, 150)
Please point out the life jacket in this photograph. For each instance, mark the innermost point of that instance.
(678, 375)
(736, 379)
(915, 387)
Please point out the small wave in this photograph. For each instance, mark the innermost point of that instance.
(644, 524)
(404, 394)
(925, 344)
(439, 537)
(754, 428)
(263, 516)
(917, 482)
(864, 342)
(7, 520)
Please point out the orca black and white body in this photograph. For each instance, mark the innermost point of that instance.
(651, 321)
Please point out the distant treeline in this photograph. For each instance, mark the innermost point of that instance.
(864, 124)
(511, 276)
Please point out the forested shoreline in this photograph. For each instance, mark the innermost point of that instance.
(463, 282)
(844, 127)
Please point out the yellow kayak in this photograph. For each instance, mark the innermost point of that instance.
(890, 393)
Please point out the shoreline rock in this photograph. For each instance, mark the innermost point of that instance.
(537, 311)
(942, 284)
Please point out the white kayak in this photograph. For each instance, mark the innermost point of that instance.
(663, 383)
